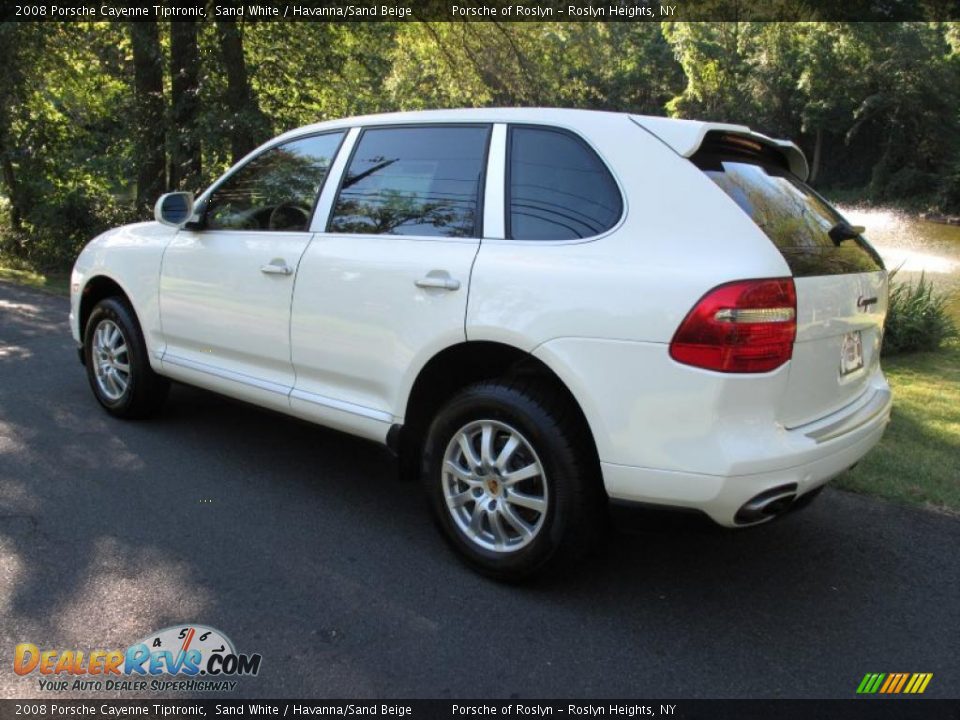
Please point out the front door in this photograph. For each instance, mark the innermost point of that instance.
(226, 289)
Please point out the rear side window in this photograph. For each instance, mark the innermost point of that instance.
(557, 187)
(789, 211)
(414, 181)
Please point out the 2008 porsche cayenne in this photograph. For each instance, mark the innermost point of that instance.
(541, 311)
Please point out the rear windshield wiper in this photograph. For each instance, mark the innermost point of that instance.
(845, 231)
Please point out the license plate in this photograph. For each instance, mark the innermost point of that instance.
(851, 353)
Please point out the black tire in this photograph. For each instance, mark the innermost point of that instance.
(145, 391)
(558, 439)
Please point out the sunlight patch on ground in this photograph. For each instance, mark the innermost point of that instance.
(8, 441)
(14, 352)
(18, 307)
(16, 499)
(144, 589)
(11, 570)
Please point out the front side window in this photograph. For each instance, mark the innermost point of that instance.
(414, 181)
(277, 189)
(558, 188)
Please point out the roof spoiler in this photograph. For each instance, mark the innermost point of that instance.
(686, 136)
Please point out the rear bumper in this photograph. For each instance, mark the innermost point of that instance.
(823, 450)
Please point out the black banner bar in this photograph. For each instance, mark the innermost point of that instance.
(853, 709)
(481, 11)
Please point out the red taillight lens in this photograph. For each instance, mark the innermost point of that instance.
(746, 326)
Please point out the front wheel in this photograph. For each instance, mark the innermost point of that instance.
(511, 479)
(117, 365)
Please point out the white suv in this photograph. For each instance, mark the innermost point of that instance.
(540, 311)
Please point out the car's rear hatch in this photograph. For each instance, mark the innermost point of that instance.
(841, 284)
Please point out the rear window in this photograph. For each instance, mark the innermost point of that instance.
(789, 211)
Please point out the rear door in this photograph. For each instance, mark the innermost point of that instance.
(385, 286)
(840, 280)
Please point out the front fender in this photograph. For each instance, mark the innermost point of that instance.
(131, 257)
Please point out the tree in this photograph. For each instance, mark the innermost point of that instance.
(88, 138)
(149, 110)
(19, 42)
(248, 126)
(831, 80)
(910, 106)
(713, 58)
(185, 154)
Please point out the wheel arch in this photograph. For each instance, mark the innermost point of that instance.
(95, 289)
(457, 366)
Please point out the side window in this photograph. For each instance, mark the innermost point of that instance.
(277, 189)
(414, 181)
(557, 188)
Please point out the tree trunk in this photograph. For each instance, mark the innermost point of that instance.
(185, 157)
(13, 193)
(148, 92)
(9, 176)
(14, 39)
(817, 148)
(248, 122)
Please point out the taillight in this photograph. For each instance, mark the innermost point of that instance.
(746, 326)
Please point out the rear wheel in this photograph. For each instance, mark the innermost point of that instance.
(117, 366)
(511, 479)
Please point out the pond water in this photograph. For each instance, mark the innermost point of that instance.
(910, 243)
(914, 246)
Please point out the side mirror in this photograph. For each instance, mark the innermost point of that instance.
(174, 208)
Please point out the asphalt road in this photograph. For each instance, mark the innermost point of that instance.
(299, 543)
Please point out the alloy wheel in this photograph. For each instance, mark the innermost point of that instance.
(495, 486)
(111, 360)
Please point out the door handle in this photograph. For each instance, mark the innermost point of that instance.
(438, 281)
(276, 267)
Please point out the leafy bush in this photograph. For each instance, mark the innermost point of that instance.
(59, 225)
(949, 195)
(917, 318)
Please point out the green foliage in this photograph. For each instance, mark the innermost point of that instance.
(875, 105)
(613, 66)
(949, 186)
(917, 318)
(59, 226)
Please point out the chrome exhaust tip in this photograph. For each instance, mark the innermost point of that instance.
(766, 505)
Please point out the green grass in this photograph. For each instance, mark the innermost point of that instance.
(918, 461)
(57, 283)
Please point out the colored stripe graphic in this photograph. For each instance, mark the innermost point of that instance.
(903, 679)
(894, 683)
(921, 682)
(892, 679)
(870, 683)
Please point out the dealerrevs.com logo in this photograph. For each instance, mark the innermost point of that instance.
(188, 657)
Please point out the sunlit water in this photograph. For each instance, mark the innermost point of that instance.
(914, 246)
